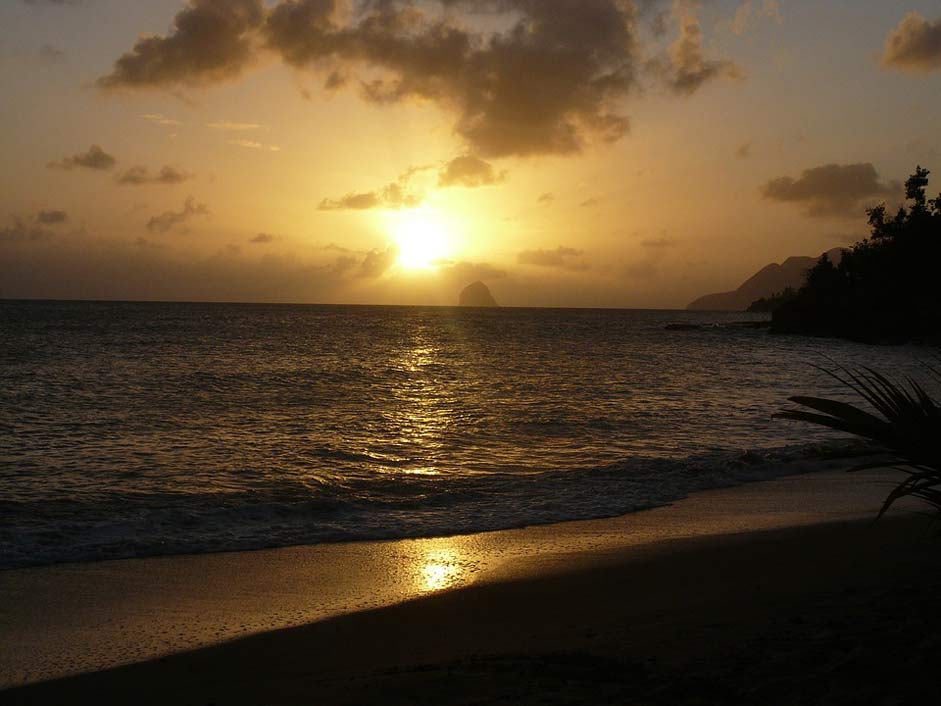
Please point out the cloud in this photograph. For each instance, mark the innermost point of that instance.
(210, 41)
(914, 45)
(832, 190)
(140, 176)
(378, 262)
(51, 217)
(743, 151)
(263, 239)
(590, 202)
(547, 80)
(237, 127)
(561, 257)
(252, 145)
(95, 158)
(546, 198)
(658, 243)
(160, 119)
(747, 10)
(394, 196)
(688, 69)
(469, 171)
(169, 220)
(23, 231)
(49, 54)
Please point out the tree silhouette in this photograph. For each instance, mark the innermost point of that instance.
(884, 288)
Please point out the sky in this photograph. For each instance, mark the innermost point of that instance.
(610, 153)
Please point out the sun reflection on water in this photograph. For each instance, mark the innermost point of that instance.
(441, 569)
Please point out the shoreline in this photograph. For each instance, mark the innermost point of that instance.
(80, 618)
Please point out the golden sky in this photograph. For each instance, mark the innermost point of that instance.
(629, 153)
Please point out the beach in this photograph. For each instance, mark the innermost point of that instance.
(782, 591)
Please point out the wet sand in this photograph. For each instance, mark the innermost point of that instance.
(775, 592)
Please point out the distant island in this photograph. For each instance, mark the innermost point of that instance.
(477, 295)
(767, 283)
(883, 290)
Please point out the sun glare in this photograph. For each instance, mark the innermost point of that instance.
(422, 238)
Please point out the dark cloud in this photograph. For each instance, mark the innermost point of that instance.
(140, 176)
(394, 195)
(743, 151)
(914, 45)
(51, 217)
(590, 203)
(562, 257)
(658, 243)
(378, 262)
(49, 54)
(833, 190)
(94, 158)
(469, 171)
(23, 231)
(544, 84)
(210, 41)
(546, 198)
(262, 239)
(169, 220)
(688, 69)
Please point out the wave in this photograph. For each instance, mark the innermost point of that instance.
(393, 506)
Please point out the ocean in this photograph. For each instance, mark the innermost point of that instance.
(138, 429)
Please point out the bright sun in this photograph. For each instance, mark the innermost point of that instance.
(422, 237)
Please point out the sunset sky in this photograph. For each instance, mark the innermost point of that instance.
(566, 152)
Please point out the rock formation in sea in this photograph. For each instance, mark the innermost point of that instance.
(477, 294)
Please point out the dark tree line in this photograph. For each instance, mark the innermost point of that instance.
(887, 288)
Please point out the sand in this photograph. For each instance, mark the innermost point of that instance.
(776, 592)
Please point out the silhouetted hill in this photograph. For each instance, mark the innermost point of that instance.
(477, 294)
(764, 284)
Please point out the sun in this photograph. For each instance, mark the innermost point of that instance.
(422, 237)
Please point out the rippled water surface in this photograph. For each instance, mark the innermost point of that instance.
(133, 429)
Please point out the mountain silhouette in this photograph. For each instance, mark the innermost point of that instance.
(768, 281)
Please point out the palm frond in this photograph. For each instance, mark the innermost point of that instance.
(908, 428)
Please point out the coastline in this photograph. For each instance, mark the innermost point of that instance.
(84, 618)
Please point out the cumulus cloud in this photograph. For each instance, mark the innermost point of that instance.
(49, 54)
(95, 158)
(210, 41)
(689, 69)
(253, 145)
(832, 190)
(749, 10)
(914, 45)
(549, 78)
(23, 231)
(394, 196)
(231, 126)
(561, 257)
(170, 220)
(51, 217)
(544, 84)
(658, 243)
(141, 176)
(378, 262)
(160, 119)
(469, 171)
